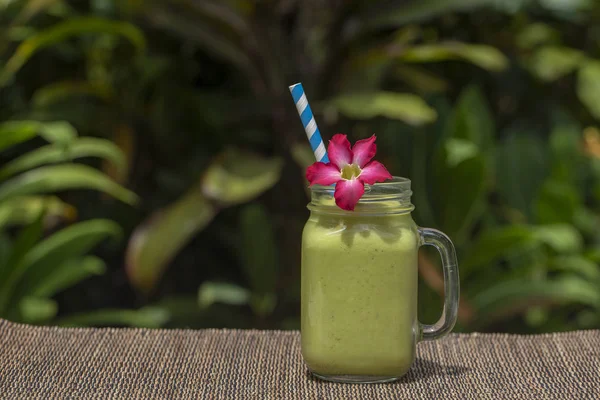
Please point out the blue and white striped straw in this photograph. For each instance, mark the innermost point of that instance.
(309, 123)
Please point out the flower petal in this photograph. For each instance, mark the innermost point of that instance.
(347, 193)
(320, 173)
(363, 151)
(339, 150)
(374, 172)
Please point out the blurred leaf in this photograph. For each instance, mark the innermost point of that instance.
(22, 246)
(154, 243)
(562, 238)
(588, 87)
(259, 249)
(513, 297)
(472, 120)
(23, 210)
(124, 140)
(63, 177)
(30, 9)
(401, 106)
(578, 264)
(486, 57)
(64, 276)
(493, 245)
(458, 186)
(37, 310)
(145, 317)
(237, 177)
(552, 62)
(221, 292)
(38, 264)
(15, 132)
(64, 30)
(556, 202)
(521, 169)
(394, 14)
(83, 147)
(420, 79)
(535, 34)
(263, 304)
(58, 91)
(212, 40)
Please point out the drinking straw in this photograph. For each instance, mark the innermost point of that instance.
(309, 123)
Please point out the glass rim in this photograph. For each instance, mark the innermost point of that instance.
(398, 185)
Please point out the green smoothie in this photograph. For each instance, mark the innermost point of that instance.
(359, 294)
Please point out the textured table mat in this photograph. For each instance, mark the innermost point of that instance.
(59, 363)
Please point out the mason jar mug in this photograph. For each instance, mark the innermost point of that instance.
(359, 285)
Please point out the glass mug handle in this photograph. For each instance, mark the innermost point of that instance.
(443, 244)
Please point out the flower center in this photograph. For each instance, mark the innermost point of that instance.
(350, 171)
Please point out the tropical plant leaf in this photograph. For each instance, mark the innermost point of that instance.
(562, 238)
(401, 106)
(15, 132)
(154, 243)
(38, 263)
(82, 147)
(221, 292)
(23, 210)
(392, 14)
(458, 186)
(237, 177)
(582, 266)
(25, 241)
(58, 91)
(521, 168)
(64, 30)
(494, 244)
(35, 310)
(145, 317)
(259, 249)
(483, 56)
(50, 179)
(420, 79)
(512, 297)
(64, 276)
(550, 63)
(588, 87)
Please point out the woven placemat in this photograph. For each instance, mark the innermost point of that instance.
(59, 363)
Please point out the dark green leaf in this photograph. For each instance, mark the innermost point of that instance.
(401, 106)
(237, 177)
(483, 56)
(50, 179)
(521, 168)
(556, 202)
(259, 249)
(23, 210)
(220, 292)
(458, 186)
(64, 30)
(38, 263)
(35, 310)
(579, 265)
(588, 87)
(552, 62)
(153, 244)
(83, 147)
(146, 317)
(562, 238)
(493, 245)
(64, 276)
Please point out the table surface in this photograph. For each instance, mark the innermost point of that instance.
(89, 363)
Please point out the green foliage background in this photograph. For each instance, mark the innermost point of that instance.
(168, 127)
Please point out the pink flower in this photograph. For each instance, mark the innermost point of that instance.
(349, 168)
